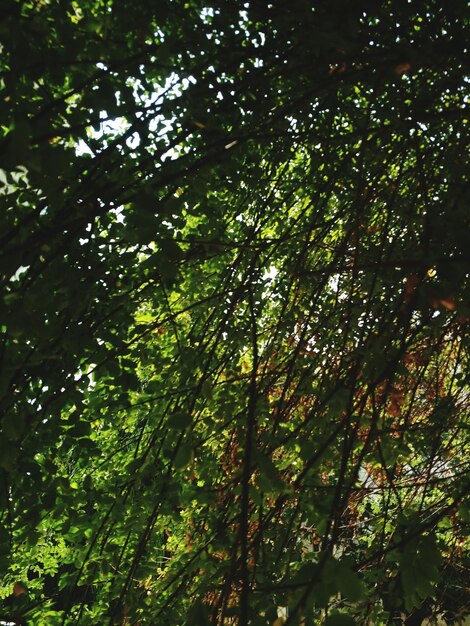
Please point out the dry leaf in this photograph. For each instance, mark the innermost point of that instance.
(402, 68)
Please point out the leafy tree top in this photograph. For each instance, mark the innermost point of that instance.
(234, 311)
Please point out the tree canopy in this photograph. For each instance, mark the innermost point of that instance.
(235, 300)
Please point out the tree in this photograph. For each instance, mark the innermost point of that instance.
(234, 267)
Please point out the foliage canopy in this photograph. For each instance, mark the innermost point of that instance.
(234, 311)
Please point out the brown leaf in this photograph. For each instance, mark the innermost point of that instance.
(448, 303)
(402, 68)
(397, 398)
(411, 283)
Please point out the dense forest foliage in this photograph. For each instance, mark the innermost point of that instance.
(234, 268)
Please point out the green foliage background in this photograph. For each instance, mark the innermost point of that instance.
(235, 299)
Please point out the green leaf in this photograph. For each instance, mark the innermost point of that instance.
(184, 456)
(235, 296)
(207, 390)
(198, 615)
(339, 619)
(349, 584)
(170, 250)
(81, 428)
(19, 143)
(13, 425)
(269, 479)
(8, 455)
(4, 541)
(179, 420)
(419, 570)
